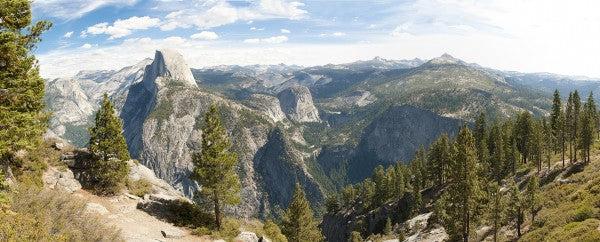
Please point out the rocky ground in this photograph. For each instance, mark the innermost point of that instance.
(134, 216)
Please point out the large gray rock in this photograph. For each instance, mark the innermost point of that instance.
(246, 236)
(63, 179)
(172, 233)
(296, 102)
(170, 64)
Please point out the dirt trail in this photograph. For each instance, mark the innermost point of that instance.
(135, 224)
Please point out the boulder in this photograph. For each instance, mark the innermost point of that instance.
(63, 179)
(58, 145)
(96, 208)
(172, 233)
(246, 236)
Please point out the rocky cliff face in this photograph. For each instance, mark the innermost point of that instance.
(269, 105)
(280, 168)
(296, 102)
(162, 121)
(395, 135)
(75, 100)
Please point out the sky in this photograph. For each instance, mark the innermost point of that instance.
(560, 37)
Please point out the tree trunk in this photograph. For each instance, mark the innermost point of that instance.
(217, 212)
(466, 229)
(563, 153)
(570, 152)
(519, 221)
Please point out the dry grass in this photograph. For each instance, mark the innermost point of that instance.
(48, 215)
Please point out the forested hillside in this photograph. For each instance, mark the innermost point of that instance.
(522, 178)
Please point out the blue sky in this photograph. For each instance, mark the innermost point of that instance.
(529, 36)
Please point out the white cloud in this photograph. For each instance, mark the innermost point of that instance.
(68, 34)
(338, 34)
(257, 29)
(205, 35)
(271, 40)
(122, 27)
(252, 41)
(285, 31)
(86, 46)
(276, 39)
(69, 9)
(216, 13)
(401, 31)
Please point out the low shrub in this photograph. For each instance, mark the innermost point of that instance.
(582, 213)
(50, 215)
(140, 187)
(186, 214)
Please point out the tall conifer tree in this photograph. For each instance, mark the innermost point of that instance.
(460, 200)
(214, 166)
(22, 120)
(298, 222)
(555, 120)
(108, 149)
(576, 123)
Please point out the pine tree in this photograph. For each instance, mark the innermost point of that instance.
(108, 150)
(588, 124)
(460, 200)
(388, 229)
(437, 160)
(524, 129)
(562, 136)
(367, 194)
(555, 120)
(399, 185)
(496, 147)
(576, 120)
(516, 208)
(348, 195)
(532, 196)
(481, 140)
(547, 143)
(390, 183)
(298, 222)
(418, 168)
(214, 166)
(497, 207)
(569, 126)
(333, 205)
(379, 179)
(22, 119)
(535, 144)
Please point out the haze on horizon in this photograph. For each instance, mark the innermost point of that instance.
(526, 36)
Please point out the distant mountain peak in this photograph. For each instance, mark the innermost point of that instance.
(170, 63)
(445, 59)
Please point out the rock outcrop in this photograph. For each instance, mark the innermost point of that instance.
(269, 105)
(395, 135)
(280, 168)
(63, 179)
(296, 102)
(74, 101)
(163, 118)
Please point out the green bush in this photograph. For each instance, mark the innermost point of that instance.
(273, 232)
(140, 187)
(582, 213)
(229, 230)
(186, 214)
